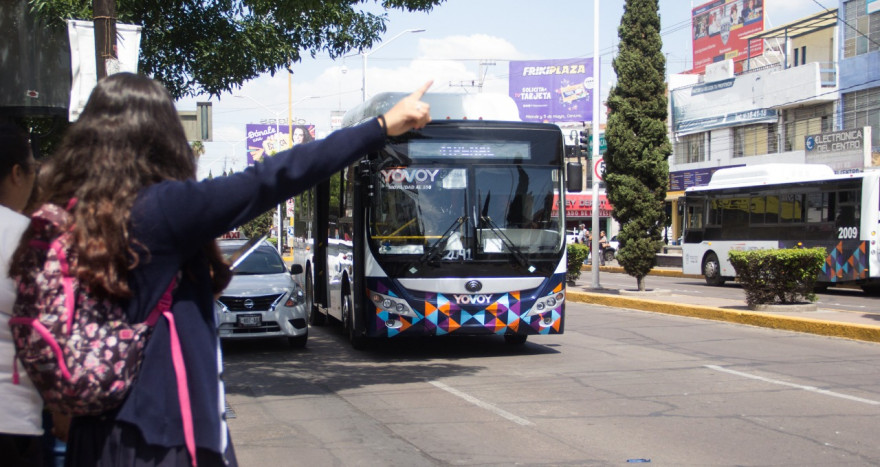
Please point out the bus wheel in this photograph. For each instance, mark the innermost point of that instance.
(515, 339)
(712, 270)
(357, 341)
(316, 318)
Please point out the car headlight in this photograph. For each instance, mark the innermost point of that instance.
(547, 303)
(295, 298)
(220, 307)
(390, 304)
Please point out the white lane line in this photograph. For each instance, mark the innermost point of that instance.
(796, 386)
(481, 404)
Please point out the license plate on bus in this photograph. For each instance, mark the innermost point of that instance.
(249, 320)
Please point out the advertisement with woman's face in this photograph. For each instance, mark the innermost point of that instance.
(268, 139)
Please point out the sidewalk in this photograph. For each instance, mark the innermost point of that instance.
(822, 321)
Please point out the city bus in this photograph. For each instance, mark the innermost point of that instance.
(448, 230)
(771, 206)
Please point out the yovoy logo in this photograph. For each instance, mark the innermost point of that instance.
(473, 299)
(409, 175)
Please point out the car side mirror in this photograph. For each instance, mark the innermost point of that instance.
(296, 269)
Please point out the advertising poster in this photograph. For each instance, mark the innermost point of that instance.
(720, 28)
(553, 90)
(268, 139)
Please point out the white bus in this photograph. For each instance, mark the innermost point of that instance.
(448, 230)
(773, 206)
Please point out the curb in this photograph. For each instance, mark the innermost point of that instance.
(861, 332)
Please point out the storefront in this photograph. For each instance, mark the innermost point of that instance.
(579, 210)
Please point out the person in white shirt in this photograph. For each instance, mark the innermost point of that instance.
(21, 407)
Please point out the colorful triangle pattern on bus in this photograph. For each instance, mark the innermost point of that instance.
(441, 314)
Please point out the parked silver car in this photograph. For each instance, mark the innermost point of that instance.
(262, 300)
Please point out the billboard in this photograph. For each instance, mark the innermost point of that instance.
(269, 139)
(720, 28)
(553, 90)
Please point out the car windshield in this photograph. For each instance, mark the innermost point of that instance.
(263, 260)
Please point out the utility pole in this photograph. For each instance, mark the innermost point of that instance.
(484, 69)
(106, 59)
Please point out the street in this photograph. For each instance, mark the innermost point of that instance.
(618, 386)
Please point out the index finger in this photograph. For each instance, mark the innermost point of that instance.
(422, 90)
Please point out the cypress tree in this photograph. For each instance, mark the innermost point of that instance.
(636, 163)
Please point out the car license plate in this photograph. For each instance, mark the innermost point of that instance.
(249, 320)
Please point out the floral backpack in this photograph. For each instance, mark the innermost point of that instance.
(79, 351)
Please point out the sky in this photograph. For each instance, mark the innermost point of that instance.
(463, 42)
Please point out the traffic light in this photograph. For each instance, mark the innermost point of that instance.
(585, 142)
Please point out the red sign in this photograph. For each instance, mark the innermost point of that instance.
(234, 235)
(599, 167)
(581, 205)
(720, 28)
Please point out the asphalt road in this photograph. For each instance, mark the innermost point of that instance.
(619, 386)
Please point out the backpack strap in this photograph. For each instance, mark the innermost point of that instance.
(163, 305)
(163, 308)
(182, 388)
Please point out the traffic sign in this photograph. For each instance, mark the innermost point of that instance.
(599, 167)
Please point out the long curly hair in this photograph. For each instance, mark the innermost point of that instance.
(128, 137)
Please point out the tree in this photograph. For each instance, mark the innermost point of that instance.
(198, 149)
(260, 225)
(195, 47)
(636, 163)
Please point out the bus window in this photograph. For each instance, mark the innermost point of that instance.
(771, 209)
(817, 207)
(695, 217)
(792, 208)
(756, 209)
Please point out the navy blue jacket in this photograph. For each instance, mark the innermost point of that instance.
(174, 220)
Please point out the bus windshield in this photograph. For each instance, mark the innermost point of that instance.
(460, 213)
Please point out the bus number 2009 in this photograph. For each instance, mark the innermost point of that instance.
(847, 232)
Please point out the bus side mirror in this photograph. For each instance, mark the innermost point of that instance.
(296, 269)
(574, 177)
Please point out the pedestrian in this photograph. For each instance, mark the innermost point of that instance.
(603, 244)
(141, 219)
(20, 404)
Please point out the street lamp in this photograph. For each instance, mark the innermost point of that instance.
(364, 55)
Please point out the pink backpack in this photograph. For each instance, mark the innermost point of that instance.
(80, 352)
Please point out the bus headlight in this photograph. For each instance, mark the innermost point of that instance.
(390, 304)
(549, 302)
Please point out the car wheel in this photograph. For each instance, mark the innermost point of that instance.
(712, 270)
(609, 255)
(316, 318)
(515, 339)
(298, 342)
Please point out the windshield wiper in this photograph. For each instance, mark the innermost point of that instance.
(442, 241)
(515, 250)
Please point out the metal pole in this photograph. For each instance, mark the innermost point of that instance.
(364, 77)
(364, 60)
(595, 155)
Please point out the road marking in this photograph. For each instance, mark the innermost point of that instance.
(481, 404)
(796, 386)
